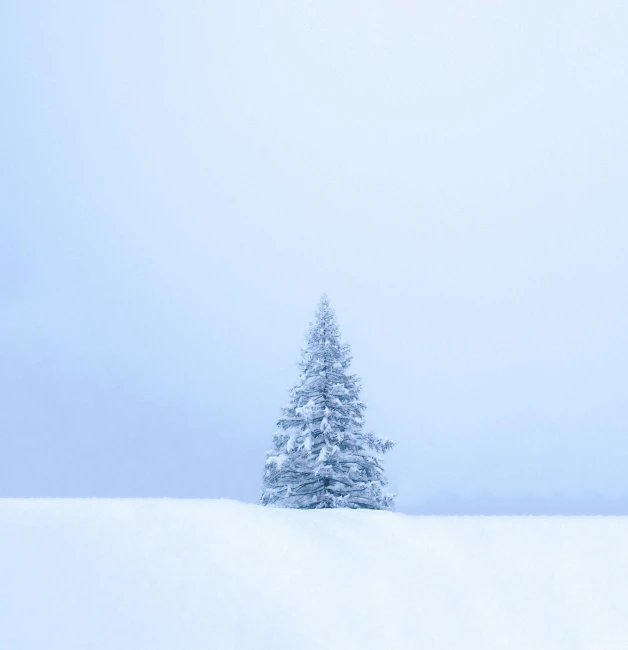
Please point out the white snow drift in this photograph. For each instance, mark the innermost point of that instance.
(213, 575)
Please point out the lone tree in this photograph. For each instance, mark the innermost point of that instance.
(321, 457)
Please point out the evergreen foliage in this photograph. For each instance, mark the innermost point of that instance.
(321, 457)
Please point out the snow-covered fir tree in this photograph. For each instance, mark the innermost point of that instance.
(322, 458)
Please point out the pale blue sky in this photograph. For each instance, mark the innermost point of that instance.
(179, 182)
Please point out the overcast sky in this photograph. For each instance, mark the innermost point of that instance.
(179, 182)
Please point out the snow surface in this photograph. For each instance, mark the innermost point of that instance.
(186, 575)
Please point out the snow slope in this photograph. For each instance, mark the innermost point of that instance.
(186, 575)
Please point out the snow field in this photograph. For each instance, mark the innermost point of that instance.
(192, 574)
